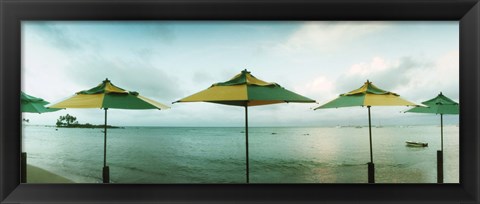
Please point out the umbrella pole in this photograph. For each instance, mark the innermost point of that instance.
(105, 140)
(370, 134)
(246, 141)
(106, 170)
(441, 129)
(371, 166)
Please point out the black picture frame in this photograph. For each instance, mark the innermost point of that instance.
(12, 12)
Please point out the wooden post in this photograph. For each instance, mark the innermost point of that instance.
(371, 172)
(439, 166)
(23, 167)
(106, 174)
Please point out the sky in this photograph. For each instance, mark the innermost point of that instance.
(169, 60)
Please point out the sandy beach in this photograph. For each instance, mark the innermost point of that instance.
(39, 175)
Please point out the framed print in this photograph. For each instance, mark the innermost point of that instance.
(227, 101)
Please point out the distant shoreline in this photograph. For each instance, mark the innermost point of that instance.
(87, 126)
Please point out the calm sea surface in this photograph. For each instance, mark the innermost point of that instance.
(217, 155)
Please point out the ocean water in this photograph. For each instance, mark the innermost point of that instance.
(217, 154)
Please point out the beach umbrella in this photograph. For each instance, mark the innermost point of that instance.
(31, 104)
(440, 105)
(367, 96)
(246, 90)
(108, 96)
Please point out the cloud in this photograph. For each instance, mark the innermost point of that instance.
(417, 78)
(161, 31)
(133, 74)
(146, 53)
(153, 31)
(320, 88)
(53, 35)
(326, 36)
(386, 74)
(441, 76)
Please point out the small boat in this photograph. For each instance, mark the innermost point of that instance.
(416, 144)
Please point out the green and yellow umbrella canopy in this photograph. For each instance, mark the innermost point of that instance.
(30, 104)
(367, 95)
(107, 95)
(438, 105)
(246, 90)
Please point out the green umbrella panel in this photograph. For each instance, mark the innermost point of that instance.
(31, 104)
(438, 105)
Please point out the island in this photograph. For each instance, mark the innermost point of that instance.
(69, 121)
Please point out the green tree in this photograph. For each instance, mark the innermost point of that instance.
(66, 120)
